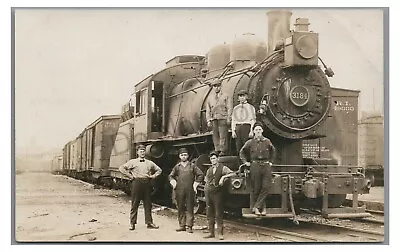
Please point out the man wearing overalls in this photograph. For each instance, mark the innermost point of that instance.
(184, 178)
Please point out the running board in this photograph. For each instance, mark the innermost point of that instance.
(345, 212)
(271, 213)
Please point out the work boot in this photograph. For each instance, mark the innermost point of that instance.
(256, 211)
(190, 230)
(221, 237)
(181, 229)
(264, 211)
(209, 236)
(132, 227)
(152, 226)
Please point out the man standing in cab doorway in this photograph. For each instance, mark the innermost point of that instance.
(218, 115)
(141, 171)
(184, 179)
(243, 119)
(215, 177)
(261, 152)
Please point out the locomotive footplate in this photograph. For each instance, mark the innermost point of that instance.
(343, 212)
(282, 187)
(271, 213)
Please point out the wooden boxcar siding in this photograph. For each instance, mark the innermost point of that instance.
(65, 157)
(79, 153)
(57, 163)
(110, 129)
(105, 133)
(69, 156)
(60, 163)
(84, 151)
(341, 130)
(72, 155)
(122, 150)
(89, 148)
(97, 146)
(371, 141)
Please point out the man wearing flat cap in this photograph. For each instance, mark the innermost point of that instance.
(184, 179)
(218, 116)
(141, 171)
(261, 152)
(243, 119)
(215, 178)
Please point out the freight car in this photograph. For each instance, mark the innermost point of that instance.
(57, 165)
(88, 156)
(371, 147)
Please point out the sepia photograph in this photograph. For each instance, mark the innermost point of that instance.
(200, 125)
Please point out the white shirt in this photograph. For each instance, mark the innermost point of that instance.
(243, 113)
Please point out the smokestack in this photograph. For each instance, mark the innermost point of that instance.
(278, 27)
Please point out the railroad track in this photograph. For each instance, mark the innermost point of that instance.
(277, 234)
(343, 233)
(283, 230)
(377, 217)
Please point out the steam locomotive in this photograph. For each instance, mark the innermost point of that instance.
(292, 97)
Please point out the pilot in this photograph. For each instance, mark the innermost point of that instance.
(262, 153)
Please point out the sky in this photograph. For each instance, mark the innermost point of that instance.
(74, 65)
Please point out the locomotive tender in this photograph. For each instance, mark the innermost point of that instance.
(292, 97)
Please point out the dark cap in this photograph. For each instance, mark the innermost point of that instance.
(258, 124)
(141, 147)
(213, 153)
(243, 92)
(183, 150)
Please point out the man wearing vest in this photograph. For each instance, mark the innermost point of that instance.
(243, 119)
(215, 177)
(184, 178)
(262, 153)
(218, 115)
(141, 171)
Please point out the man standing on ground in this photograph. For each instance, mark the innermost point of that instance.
(141, 171)
(215, 178)
(184, 178)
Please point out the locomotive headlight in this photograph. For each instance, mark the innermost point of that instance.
(306, 46)
(301, 49)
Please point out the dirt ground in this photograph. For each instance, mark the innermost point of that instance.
(58, 208)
